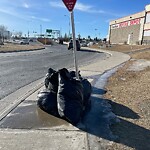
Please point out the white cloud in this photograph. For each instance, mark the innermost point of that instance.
(15, 3)
(79, 6)
(25, 5)
(45, 19)
(57, 4)
(10, 11)
(41, 19)
(82, 7)
(13, 13)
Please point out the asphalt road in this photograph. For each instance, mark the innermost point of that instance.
(21, 68)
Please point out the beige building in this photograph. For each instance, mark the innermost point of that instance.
(133, 29)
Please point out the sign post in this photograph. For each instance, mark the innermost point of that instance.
(70, 6)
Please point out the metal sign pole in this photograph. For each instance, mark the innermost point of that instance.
(74, 44)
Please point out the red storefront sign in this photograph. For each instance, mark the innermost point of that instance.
(123, 24)
(135, 22)
(126, 23)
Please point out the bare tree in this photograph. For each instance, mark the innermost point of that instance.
(3, 29)
(18, 35)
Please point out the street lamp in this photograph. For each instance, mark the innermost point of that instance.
(95, 32)
(40, 30)
(69, 24)
(29, 28)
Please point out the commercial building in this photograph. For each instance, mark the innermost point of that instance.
(132, 29)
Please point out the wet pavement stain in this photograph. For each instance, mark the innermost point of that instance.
(29, 116)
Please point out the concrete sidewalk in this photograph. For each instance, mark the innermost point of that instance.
(23, 126)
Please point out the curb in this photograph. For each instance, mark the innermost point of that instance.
(20, 99)
(21, 50)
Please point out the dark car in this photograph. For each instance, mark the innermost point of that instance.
(70, 45)
(60, 41)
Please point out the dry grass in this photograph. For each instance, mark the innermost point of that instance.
(17, 47)
(142, 55)
(123, 48)
(129, 92)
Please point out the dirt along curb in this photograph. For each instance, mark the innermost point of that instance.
(8, 48)
(128, 94)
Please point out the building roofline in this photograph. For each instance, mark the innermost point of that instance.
(129, 17)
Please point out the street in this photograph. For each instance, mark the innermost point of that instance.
(21, 68)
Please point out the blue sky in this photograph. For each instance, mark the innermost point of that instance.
(92, 17)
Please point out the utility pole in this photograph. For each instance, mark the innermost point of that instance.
(40, 30)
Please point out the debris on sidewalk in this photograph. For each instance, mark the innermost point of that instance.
(65, 96)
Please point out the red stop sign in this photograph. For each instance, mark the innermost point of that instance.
(70, 4)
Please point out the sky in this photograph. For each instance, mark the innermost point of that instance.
(91, 17)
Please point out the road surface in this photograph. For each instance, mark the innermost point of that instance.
(21, 68)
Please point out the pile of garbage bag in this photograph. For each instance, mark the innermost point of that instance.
(65, 96)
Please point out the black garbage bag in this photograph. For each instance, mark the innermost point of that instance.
(69, 97)
(73, 74)
(47, 101)
(87, 90)
(48, 75)
(51, 80)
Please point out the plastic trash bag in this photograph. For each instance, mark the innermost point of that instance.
(51, 80)
(69, 97)
(65, 96)
(73, 74)
(47, 101)
(87, 90)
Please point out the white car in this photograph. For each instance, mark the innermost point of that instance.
(24, 41)
(90, 44)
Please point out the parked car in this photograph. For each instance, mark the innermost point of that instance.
(70, 45)
(30, 40)
(1, 43)
(60, 41)
(24, 41)
(90, 43)
(84, 43)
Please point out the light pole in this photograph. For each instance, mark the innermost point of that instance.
(34, 32)
(29, 28)
(28, 33)
(69, 24)
(40, 30)
(96, 33)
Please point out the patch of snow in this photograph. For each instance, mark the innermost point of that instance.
(139, 65)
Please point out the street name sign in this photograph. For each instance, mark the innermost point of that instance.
(49, 30)
(70, 4)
